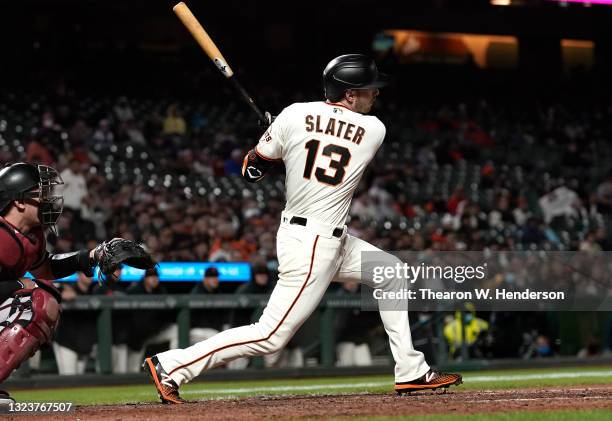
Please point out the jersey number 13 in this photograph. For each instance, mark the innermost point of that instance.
(338, 165)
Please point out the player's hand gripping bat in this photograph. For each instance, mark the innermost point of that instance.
(203, 39)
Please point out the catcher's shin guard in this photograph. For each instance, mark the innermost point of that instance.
(27, 321)
(17, 346)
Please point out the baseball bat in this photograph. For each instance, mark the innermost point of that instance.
(192, 24)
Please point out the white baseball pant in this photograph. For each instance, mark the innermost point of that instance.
(310, 257)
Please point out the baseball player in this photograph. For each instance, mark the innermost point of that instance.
(325, 147)
(30, 308)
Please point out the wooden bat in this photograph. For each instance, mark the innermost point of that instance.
(192, 24)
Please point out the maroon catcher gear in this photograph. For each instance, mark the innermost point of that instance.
(29, 320)
(20, 253)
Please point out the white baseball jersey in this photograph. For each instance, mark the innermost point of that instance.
(326, 148)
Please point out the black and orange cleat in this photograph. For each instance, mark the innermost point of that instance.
(166, 387)
(432, 380)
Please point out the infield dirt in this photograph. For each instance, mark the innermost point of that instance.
(455, 401)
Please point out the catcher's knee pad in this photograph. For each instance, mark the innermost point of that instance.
(46, 313)
(27, 321)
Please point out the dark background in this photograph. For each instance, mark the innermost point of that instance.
(140, 47)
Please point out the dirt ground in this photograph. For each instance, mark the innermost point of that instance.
(456, 401)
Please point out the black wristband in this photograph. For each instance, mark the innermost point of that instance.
(254, 167)
(66, 264)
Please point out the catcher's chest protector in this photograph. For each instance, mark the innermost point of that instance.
(27, 321)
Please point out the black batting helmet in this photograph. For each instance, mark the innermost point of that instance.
(351, 71)
(22, 181)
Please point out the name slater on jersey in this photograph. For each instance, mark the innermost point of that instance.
(335, 127)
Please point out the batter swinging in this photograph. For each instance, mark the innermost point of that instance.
(326, 147)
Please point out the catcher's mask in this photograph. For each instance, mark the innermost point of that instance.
(35, 184)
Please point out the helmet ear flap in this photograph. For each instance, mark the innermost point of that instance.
(333, 94)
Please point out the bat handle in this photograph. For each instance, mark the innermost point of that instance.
(250, 101)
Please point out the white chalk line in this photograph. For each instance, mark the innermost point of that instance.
(576, 389)
(365, 385)
(559, 398)
(561, 375)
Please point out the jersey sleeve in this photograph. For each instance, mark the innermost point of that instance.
(272, 142)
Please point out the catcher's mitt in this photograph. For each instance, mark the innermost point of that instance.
(110, 255)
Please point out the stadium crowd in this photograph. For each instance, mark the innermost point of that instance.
(457, 176)
(463, 176)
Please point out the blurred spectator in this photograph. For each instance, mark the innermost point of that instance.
(77, 331)
(134, 133)
(233, 165)
(591, 349)
(174, 122)
(560, 202)
(207, 323)
(604, 195)
(158, 328)
(259, 284)
(589, 243)
(123, 111)
(532, 232)
(455, 200)
(38, 153)
(103, 137)
(80, 133)
(542, 346)
(473, 327)
(112, 287)
(352, 331)
(75, 186)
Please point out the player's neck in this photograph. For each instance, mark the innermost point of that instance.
(343, 103)
(17, 222)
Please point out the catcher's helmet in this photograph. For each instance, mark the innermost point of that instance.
(22, 181)
(351, 71)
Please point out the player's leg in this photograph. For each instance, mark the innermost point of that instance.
(411, 370)
(199, 334)
(134, 359)
(28, 320)
(307, 264)
(409, 363)
(119, 354)
(66, 359)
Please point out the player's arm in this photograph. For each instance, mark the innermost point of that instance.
(255, 166)
(57, 266)
(108, 256)
(269, 150)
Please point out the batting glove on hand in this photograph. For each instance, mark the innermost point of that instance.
(269, 119)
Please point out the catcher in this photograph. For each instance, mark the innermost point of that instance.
(30, 308)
